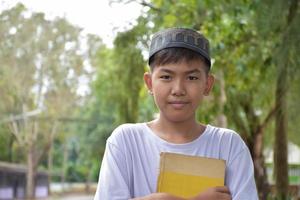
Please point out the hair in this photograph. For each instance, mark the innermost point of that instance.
(176, 55)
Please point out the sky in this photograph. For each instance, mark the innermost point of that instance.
(94, 16)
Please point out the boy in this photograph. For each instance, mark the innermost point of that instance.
(179, 78)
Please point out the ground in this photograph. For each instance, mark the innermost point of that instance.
(72, 197)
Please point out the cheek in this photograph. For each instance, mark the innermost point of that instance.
(158, 96)
(197, 91)
(198, 96)
(158, 101)
(160, 89)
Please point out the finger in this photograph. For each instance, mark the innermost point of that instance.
(224, 196)
(222, 189)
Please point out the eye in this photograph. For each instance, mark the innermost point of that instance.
(191, 78)
(165, 77)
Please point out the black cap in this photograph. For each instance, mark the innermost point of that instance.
(180, 37)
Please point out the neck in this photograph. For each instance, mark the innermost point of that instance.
(177, 132)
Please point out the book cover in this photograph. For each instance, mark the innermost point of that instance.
(186, 176)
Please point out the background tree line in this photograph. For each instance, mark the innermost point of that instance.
(45, 121)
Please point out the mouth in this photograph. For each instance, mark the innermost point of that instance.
(178, 104)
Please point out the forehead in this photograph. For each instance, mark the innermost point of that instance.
(184, 66)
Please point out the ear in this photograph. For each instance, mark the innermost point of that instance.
(148, 80)
(209, 84)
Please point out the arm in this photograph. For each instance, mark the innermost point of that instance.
(216, 193)
(158, 196)
(240, 177)
(113, 178)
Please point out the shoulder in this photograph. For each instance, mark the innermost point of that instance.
(224, 134)
(126, 133)
(230, 142)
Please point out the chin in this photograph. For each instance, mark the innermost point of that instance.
(179, 119)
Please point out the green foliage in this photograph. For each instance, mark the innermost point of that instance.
(120, 71)
(129, 70)
(294, 110)
(41, 67)
(5, 144)
(248, 41)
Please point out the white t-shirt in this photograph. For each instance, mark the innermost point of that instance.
(130, 165)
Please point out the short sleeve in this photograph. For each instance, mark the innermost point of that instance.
(240, 176)
(113, 179)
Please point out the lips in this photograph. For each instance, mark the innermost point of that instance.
(178, 104)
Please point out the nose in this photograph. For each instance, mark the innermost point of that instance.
(178, 88)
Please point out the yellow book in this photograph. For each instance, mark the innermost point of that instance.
(186, 176)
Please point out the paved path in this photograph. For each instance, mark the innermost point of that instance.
(73, 197)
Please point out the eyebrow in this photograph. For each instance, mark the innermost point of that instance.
(187, 72)
(166, 70)
(193, 71)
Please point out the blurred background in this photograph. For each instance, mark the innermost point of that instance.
(71, 71)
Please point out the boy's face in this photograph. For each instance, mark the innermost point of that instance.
(178, 88)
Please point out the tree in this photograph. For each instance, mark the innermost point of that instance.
(120, 71)
(282, 19)
(44, 57)
(283, 65)
(232, 29)
(129, 70)
(97, 112)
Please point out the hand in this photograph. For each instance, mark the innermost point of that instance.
(159, 196)
(215, 193)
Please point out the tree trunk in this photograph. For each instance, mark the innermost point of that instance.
(260, 170)
(64, 167)
(31, 172)
(31, 164)
(280, 146)
(10, 150)
(255, 145)
(252, 133)
(50, 167)
(88, 181)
